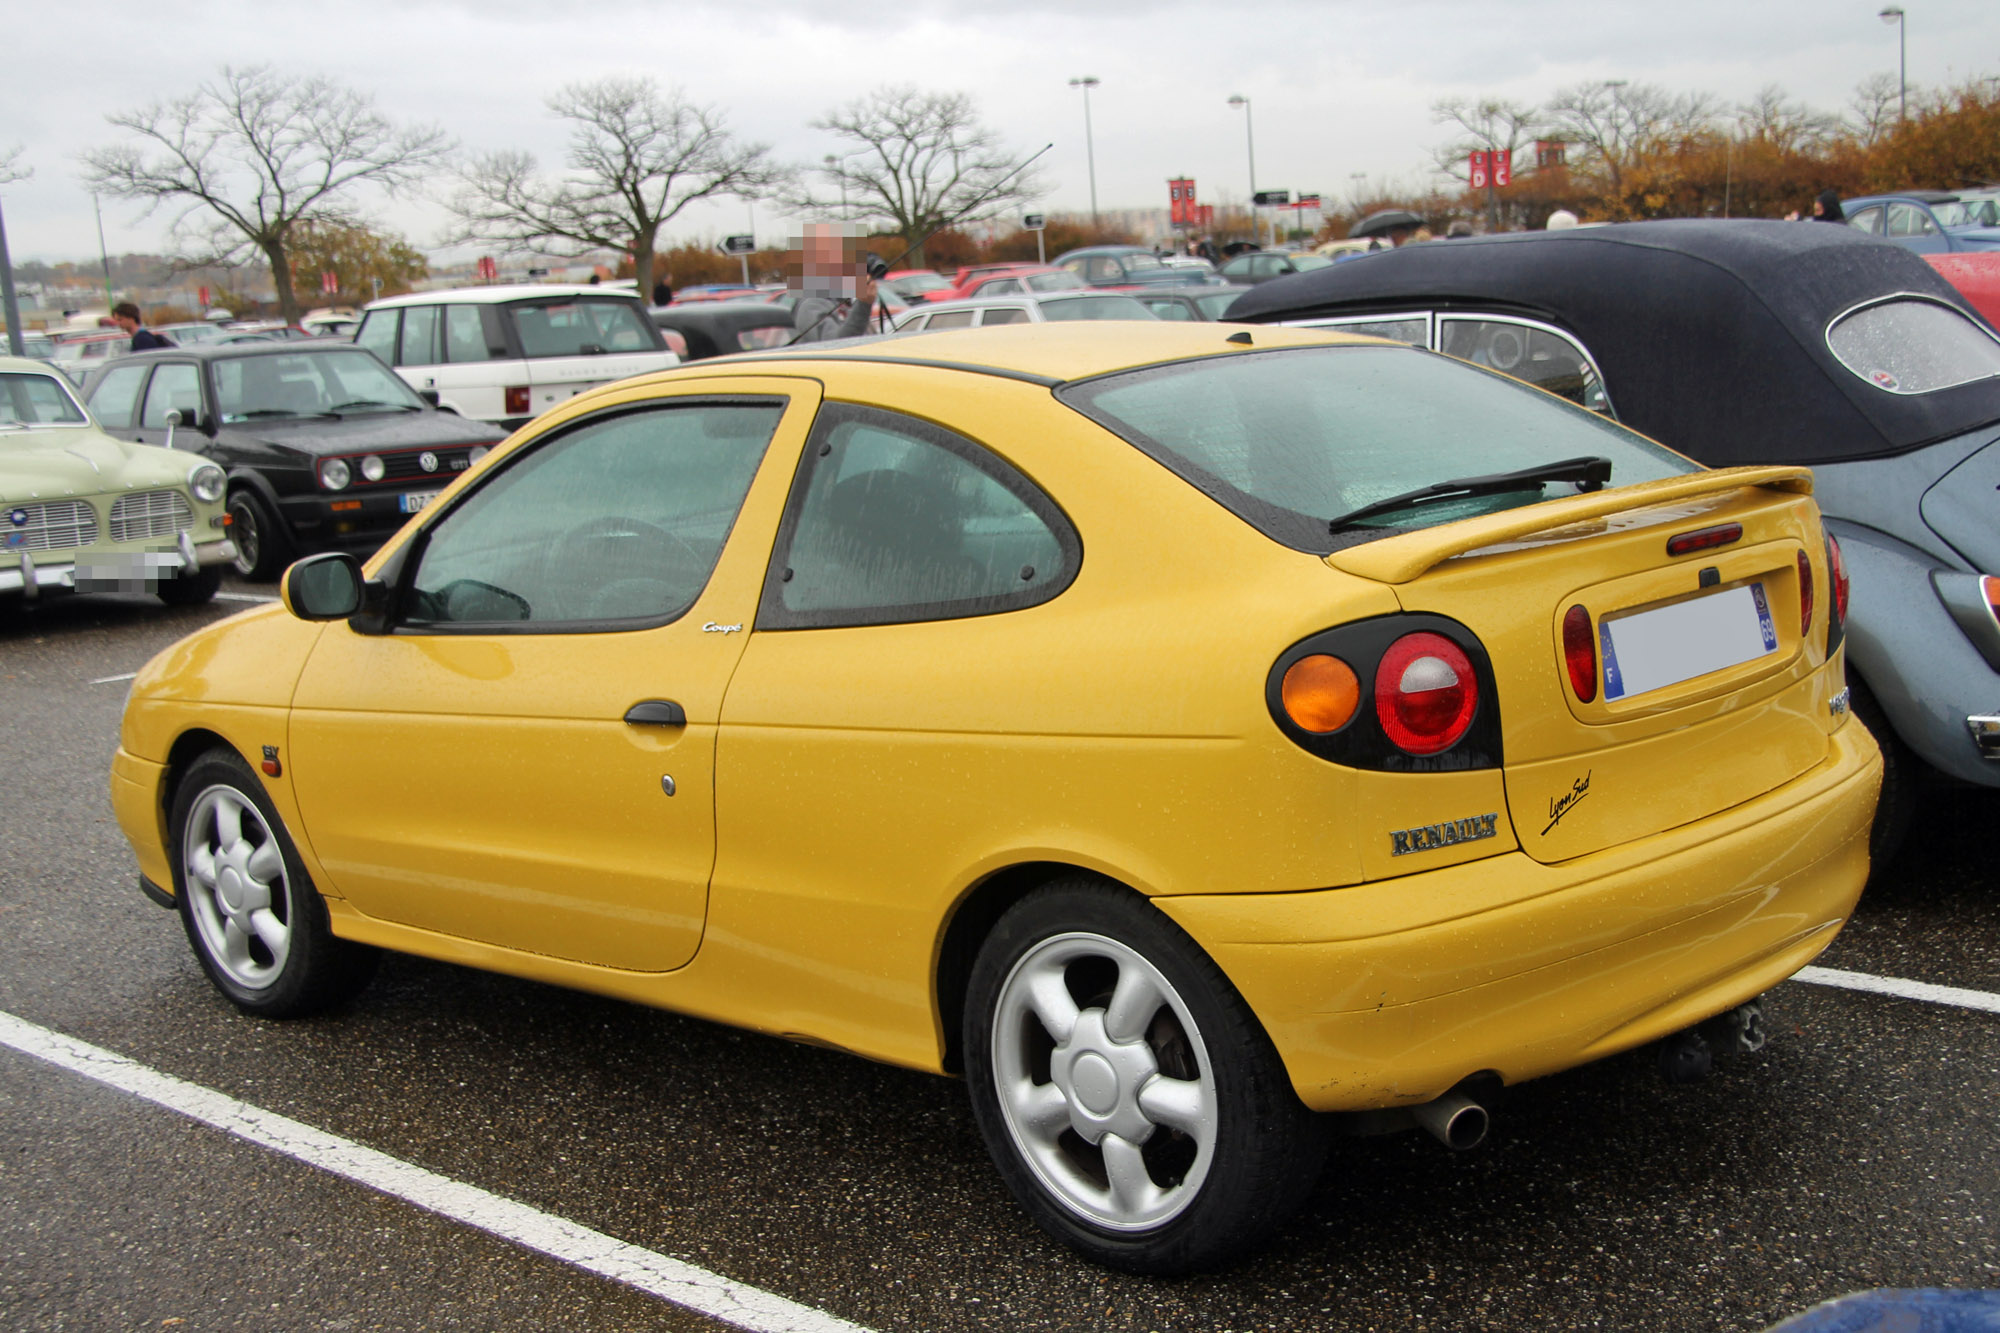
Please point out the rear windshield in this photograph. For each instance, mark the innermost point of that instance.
(1096, 307)
(584, 327)
(1290, 439)
(1912, 346)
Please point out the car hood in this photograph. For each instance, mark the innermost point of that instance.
(365, 433)
(39, 464)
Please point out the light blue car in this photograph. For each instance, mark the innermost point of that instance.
(1930, 222)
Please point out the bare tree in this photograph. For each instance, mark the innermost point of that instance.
(1616, 122)
(1873, 104)
(1489, 124)
(637, 157)
(1784, 124)
(261, 151)
(11, 169)
(920, 161)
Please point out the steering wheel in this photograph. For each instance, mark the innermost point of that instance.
(626, 551)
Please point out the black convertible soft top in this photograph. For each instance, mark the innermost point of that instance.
(1711, 335)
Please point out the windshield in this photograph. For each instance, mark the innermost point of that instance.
(1139, 262)
(37, 400)
(1095, 307)
(306, 384)
(1291, 439)
(1968, 213)
(581, 328)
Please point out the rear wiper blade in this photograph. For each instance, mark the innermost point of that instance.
(1590, 473)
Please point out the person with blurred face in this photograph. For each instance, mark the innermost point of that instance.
(836, 295)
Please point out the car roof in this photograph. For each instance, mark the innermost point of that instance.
(1103, 250)
(520, 291)
(16, 365)
(1048, 354)
(1710, 334)
(1921, 196)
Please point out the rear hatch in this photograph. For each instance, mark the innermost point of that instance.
(1701, 676)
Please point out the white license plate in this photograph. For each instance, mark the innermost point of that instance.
(1654, 649)
(415, 500)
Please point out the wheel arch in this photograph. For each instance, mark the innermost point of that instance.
(189, 746)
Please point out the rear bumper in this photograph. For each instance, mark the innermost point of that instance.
(1376, 996)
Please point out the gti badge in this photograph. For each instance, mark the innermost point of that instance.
(428, 461)
(1430, 837)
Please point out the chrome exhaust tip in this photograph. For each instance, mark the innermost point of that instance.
(1454, 1120)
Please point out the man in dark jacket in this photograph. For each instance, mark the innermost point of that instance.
(126, 316)
(837, 295)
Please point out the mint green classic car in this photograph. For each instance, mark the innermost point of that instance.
(82, 512)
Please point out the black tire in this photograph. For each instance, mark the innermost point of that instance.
(1902, 780)
(194, 589)
(256, 922)
(1200, 1203)
(262, 548)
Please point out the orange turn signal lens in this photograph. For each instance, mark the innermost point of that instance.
(1320, 693)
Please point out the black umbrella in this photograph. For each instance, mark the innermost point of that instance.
(1384, 221)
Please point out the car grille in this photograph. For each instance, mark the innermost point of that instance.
(405, 467)
(149, 514)
(52, 526)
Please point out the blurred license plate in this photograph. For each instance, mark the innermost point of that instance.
(415, 500)
(1654, 649)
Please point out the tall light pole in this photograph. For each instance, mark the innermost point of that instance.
(833, 169)
(1894, 14)
(1250, 139)
(1087, 82)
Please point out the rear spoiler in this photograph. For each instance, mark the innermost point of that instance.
(1400, 559)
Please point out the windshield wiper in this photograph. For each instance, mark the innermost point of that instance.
(372, 402)
(256, 412)
(1590, 473)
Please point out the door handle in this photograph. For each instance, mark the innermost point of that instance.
(656, 713)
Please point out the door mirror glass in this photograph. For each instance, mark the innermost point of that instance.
(323, 587)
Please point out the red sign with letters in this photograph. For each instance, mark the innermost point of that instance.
(1180, 201)
(1503, 167)
(1478, 164)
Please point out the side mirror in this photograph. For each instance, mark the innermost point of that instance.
(429, 395)
(173, 422)
(323, 587)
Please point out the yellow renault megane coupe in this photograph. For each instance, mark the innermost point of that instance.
(1182, 734)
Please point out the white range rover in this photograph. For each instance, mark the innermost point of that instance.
(508, 354)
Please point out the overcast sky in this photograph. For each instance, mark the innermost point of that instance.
(1336, 87)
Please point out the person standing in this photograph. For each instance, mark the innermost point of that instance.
(663, 290)
(836, 293)
(126, 316)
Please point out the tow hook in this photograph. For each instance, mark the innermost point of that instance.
(1689, 1056)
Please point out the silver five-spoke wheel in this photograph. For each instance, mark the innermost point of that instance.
(1104, 1081)
(237, 894)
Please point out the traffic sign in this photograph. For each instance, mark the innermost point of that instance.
(738, 245)
(1271, 198)
(1033, 222)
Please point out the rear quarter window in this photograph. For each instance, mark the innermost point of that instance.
(587, 326)
(1913, 346)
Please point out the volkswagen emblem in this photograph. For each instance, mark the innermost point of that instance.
(19, 518)
(428, 461)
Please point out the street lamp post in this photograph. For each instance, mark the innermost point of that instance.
(1894, 14)
(1087, 82)
(840, 177)
(1250, 140)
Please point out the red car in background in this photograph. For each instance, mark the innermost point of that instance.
(1977, 277)
(1010, 280)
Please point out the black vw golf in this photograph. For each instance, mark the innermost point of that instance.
(325, 447)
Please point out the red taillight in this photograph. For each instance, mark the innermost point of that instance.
(1836, 565)
(1990, 588)
(1580, 653)
(1805, 595)
(1425, 693)
(517, 400)
(1705, 539)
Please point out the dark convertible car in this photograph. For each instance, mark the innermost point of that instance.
(325, 447)
(1760, 342)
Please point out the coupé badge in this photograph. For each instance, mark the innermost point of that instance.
(428, 461)
(712, 628)
(1563, 804)
(1430, 837)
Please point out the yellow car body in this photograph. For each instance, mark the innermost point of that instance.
(854, 806)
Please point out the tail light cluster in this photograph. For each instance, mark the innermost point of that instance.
(1836, 570)
(1405, 693)
(517, 400)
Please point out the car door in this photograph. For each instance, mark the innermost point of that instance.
(526, 758)
(1912, 227)
(174, 387)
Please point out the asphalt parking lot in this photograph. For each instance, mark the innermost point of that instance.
(1854, 1152)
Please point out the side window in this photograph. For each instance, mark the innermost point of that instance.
(1006, 315)
(1002, 287)
(174, 388)
(1104, 270)
(951, 319)
(378, 334)
(1412, 329)
(1169, 310)
(895, 520)
(1868, 220)
(465, 335)
(116, 395)
(419, 345)
(619, 520)
(1539, 357)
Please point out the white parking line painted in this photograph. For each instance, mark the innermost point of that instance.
(242, 597)
(683, 1284)
(107, 680)
(1901, 989)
